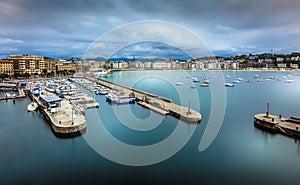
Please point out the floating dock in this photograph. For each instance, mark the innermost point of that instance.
(277, 124)
(154, 102)
(21, 95)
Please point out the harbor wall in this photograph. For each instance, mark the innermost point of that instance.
(57, 130)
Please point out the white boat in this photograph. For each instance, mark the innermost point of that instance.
(236, 81)
(49, 89)
(194, 79)
(179, 83)
(289, 81)
(32, 107)
(206, 81)
(255, 76)
(240, 79)
(204, 85)
(259, 80)
(228, 76)
(113, 98)
(229, 85)
(92, 105)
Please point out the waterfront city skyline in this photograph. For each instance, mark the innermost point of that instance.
(66, 29)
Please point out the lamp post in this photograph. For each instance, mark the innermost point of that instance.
(189, 108)
(72, 114)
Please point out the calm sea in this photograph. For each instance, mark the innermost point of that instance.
(240, 154)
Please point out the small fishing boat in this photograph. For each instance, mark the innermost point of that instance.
(206, 81)
(179, 84)
(102, 91)
(256, 76)
(193, 87)
(236, 81)
(113, 98)
(289, 81)
(32, 107)
(194, 79)
(229, 85)
(204, 85)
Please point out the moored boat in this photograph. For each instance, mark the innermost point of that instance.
(32, 107)
(179, 83)
(194, 79)
(113, 98)
(204, 85)
(229, 85)
(289, 81)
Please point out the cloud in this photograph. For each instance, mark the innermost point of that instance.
(10, 41)
(70, 23)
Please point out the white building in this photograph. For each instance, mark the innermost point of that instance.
(279, 59)
(281, 65)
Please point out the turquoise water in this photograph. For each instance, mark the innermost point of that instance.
(240, 154)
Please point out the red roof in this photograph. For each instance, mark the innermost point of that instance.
(2, 61)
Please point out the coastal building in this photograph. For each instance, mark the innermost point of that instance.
(6, 67)
(279, 59)
(66, 66)
(281, 65)
(161, 65)
(50, 65)
(294, 66)
(120, 65)
(295, 58)
(27, 64)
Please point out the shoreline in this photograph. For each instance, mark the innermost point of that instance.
(207, 70)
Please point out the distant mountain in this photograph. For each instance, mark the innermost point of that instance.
(97, 59)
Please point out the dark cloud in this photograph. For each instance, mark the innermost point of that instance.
(150, 50)
(225, 25)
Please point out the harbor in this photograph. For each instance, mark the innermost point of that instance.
(28, 139)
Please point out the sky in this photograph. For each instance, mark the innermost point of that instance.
(68, 28)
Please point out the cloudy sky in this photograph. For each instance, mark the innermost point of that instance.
(67, 28)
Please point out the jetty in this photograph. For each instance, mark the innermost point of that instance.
(64, 118)
(278, 124)
(153, 102)
(21, 95)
